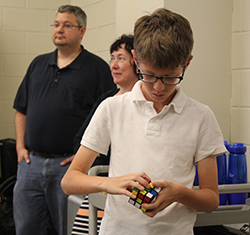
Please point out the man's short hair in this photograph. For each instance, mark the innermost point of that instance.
(81, 17)
(163, 39)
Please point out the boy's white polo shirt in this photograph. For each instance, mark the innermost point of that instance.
(165, 146)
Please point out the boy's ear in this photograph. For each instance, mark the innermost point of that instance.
(189, 60)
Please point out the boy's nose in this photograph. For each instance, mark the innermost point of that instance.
(158, 85)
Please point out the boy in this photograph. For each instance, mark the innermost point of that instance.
(156, 132)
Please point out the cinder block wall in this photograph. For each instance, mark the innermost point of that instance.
(24, 33)
(240, 86)
(240, 100)
(101, 25)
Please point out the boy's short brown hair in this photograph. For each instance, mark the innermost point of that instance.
(163, 39)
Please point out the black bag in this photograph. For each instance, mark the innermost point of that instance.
(8, 157)
(217, 230)
(8, 169)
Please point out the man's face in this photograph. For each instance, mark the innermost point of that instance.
(157, 92)
(63, 36)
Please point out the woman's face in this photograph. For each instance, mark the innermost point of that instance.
(121, 67)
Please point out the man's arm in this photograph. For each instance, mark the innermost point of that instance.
(20, 125)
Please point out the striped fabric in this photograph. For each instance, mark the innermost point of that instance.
(81, 223)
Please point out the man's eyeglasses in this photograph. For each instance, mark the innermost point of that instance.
(167, 80)
(65, 26)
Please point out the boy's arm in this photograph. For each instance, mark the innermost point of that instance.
(205, 199)
(76, 180)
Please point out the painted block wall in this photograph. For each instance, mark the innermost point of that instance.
(24, 33)
(101, 25)
(240, 85)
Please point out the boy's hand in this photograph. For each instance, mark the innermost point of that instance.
(168, 195)
(123, 185)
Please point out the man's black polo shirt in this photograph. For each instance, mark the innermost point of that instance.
(57, 101)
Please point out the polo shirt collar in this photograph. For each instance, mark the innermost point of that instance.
(76, 64)
(178, 101)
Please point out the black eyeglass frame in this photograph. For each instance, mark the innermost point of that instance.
(67, 26)
(180, 78)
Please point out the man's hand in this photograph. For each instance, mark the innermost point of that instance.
(23, 154)
(67, 160)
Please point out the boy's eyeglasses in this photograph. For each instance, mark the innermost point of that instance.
(167, 80)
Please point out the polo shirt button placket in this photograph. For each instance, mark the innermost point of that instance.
(58, 73)
(56, 78)
(148, 109)
(152, 127)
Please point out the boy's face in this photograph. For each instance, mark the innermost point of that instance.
(159, 93)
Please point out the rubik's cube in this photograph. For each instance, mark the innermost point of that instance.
(144, 196)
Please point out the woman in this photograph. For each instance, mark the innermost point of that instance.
(123, 70)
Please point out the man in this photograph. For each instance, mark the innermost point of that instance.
(157, 132)
(54, 98)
